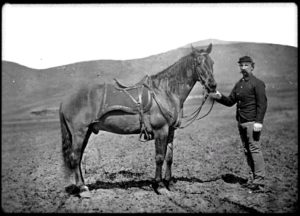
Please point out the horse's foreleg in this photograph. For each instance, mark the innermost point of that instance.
(160, 152)
(169, 161)
(169, 158)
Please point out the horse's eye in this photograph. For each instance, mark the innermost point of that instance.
(200, 59)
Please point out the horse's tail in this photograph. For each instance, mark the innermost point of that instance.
(66, 136)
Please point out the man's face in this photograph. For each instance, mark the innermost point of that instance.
(246, 67)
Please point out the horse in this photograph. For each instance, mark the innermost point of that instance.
(153, 107)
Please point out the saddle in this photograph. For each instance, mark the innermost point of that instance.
(135, 99)
(144, 80)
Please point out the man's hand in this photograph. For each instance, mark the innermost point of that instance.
(257, 127)
(216, 95)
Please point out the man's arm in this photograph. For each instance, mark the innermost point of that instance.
(227, 101)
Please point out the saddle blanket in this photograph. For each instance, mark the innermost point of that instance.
(125, 99)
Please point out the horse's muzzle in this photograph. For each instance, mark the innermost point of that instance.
(212, 87)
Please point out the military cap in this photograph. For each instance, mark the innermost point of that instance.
(245, 59)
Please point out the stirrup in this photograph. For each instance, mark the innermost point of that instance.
(147, 136)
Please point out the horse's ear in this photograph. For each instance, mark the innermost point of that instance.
(209, 48)
(193, 49)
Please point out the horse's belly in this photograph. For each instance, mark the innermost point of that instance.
(119, 122)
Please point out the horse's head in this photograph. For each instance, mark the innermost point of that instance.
(204, 68)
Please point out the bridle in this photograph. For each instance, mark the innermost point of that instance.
(197, 64)
(194, 115)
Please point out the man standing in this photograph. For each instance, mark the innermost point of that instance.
(250, 96)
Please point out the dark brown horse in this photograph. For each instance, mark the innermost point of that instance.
(152, 107)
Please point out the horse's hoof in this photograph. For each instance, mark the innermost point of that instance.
(83, 188)
(164, 191)
(84, 192)
(167, 184)
(157, 186)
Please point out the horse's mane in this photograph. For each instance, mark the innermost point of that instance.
(173, 74)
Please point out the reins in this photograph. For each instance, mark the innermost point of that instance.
(194, 116)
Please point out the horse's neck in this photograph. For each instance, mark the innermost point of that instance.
(178, 79)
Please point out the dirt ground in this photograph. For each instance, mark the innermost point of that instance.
(208, 167)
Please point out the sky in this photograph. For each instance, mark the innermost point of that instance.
(48, 35)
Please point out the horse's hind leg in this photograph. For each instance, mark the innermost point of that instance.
(169, 158)
(80, 141)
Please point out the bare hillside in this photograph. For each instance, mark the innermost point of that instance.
(26, 90)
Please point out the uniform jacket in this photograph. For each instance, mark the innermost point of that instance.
(250, 96)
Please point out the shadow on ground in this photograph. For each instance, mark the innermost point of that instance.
(73, 189)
